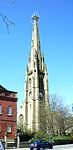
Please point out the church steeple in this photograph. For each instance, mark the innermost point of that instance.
(35, 43)
(36, 89)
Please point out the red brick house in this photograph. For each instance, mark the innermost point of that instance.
(8, 113)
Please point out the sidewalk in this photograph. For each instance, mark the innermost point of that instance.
(18, 149)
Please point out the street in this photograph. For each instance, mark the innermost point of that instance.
(63, 147)
(58, 147)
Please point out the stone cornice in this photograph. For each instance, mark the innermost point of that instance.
(8, 98)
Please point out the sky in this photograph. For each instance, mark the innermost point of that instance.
(56, 36)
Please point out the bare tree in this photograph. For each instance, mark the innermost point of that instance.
(59, 114)
(44, 118)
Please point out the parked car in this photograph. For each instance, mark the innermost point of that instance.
(1, 146)
(41, 144)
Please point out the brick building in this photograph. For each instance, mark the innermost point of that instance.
(8, 113)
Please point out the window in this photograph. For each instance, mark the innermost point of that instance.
(41, 84)
(29, 82)
(21, 117)
(0, 128)
(30, 93)
(0, 109)
(8, 128)
(9, 110)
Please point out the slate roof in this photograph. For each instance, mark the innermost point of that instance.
(5, 90)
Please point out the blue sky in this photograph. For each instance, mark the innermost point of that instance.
(56, 36)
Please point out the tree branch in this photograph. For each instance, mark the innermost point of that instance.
(6, 21)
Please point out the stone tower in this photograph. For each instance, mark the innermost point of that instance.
(36, 84)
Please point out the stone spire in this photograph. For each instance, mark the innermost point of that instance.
(36, 85)
(35, 43)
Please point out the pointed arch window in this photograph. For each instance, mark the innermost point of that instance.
(29, 82)
(9, 110)
(30, 113)
(21, 117)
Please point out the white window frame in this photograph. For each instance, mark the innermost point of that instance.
(8, 128)
(0, 109)
(9, 111)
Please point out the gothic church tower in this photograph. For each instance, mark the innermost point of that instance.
(36, 88)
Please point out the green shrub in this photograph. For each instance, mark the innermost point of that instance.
(61, 138)
(26, 135)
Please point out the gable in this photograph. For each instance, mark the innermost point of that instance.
(5, 90)
(2, 88)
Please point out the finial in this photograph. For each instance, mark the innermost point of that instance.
(35, 17)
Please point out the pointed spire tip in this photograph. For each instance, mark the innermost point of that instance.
(35, 17)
